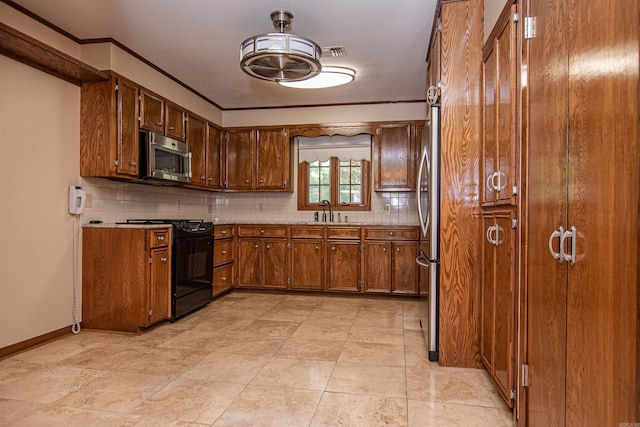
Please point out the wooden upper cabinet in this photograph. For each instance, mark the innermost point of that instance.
(257, 159)
(239, 159)
(433, 59)
(175, 119)
(215, 160)
(109, 144)
(161, 116)
(394, 157)
(499, 94)
(272, 159)
(197, 140)
(151, 112)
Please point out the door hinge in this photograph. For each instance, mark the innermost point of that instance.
(150, 312)
(512, 394)
(288, 280)
(529, 27)
(289, 247)
(525, 375)
(284, 183)
(361, 248)
(361, 284)
(116, 87)
(440, 26)
(514, 223)
(514, 190)
(516, 17)
(115, 163)
(150, 260)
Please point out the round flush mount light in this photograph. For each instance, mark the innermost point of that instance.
(280, 57)
(327, 77)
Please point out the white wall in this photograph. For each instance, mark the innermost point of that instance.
(40, 122)
(492, 10)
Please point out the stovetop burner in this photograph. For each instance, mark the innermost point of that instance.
(180, 226)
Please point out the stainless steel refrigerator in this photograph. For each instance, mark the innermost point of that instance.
(428, 201)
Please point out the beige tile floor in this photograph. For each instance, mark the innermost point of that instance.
(252, 359)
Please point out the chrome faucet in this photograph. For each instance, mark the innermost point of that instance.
(327, 203)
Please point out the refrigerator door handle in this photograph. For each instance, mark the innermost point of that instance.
(424, 161)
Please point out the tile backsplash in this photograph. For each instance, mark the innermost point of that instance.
(114, 201)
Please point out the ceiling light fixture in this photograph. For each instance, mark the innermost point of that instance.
(280, 57)
(327, 77)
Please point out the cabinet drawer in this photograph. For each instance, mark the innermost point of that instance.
(222, 231)
(222, 252)
(306, 232)
(159, 238)
(222, 279)
(343, 232)
(391, 233)
(262, 231)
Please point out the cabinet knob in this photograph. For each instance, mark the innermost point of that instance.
(170, 127)
(333, 248)
(384, 249)
(391, 233)
(268, 246)
(223, 232)
(246, 181)
(223, 252)
(397, 249)
(210, 179)
(203, 178)
(132, 163)
(261, 180)
(160, 238)
(317, 248)
(255, 246)
(261, 231)
(224, 279)
(163, 259)
(158, 123)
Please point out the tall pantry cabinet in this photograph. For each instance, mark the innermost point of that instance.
(581, 130)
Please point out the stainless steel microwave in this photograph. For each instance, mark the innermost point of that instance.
(165, 160)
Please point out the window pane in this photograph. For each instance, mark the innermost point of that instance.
(325, 193)
(355, 194)
(344, 194)
(325, 175)
(356, 175)
(314, 176)
(345, 177)
(314, 194)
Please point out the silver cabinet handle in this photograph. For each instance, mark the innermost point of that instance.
(556, 233)
(163, 259)
(132, 163)
(223, 252)
(490, 181)
(246, 181)
(317, 248)
(268, 246)
(384, 249)
(224, 279)
(261, 231)
(202, 178)
(489, 231)
(569, 234)
(210, 179)
(158, 123)
(255, 246)
(223, 232)
(170, 127)
(160, 238)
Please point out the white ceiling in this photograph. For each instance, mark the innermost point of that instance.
(198, 43)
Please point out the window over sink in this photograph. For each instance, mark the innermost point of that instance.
(337, 169)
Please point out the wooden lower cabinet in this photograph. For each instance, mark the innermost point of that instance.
(498, 311)
(262, 261)
(223, 259)
(126, 277)
(404, 272)
(377, 267)
(343, 265)
(307, 264)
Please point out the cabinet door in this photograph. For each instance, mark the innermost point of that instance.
(404, 273)
(393, 156)
(214, 157)
(275, 264)
(239, 159)
(307, 263)
(175, 121)
(128, 145)
(343, 266)
(159, 286)
(499, 143)
(196, 138)
(377, 267)
(151, 112)
(272, 155)
(249, 255)
(487, 309)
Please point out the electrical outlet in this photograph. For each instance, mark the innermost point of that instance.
(260, 207)
(210, 208)
(88, 201)
(384, 208)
